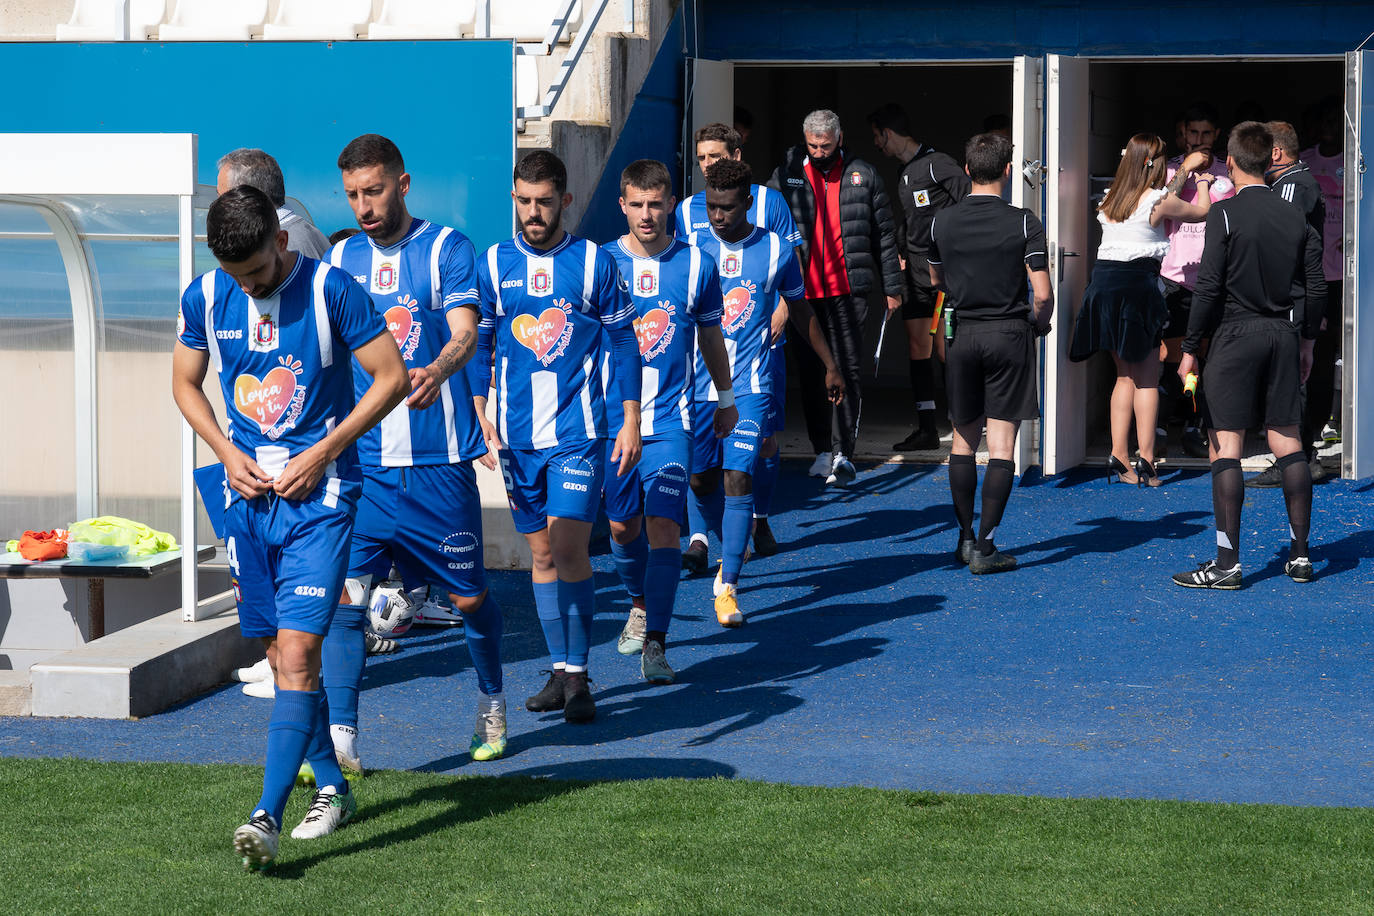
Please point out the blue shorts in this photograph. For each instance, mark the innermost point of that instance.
(427, 520)
(739, 450)
(287, 561)
(563, 482)
(657, 486)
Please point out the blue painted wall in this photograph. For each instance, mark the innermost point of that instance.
(913, 30)
(301, 102)
(652, 131)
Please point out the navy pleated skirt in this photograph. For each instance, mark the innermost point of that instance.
(1123, 311)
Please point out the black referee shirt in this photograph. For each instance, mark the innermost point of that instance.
(1261, 259)
(984, 245)
(1300, 188)
(931, 181)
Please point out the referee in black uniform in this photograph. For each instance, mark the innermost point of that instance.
(1260, 296)
(1292, 180)
(981, 251)
(931, 181)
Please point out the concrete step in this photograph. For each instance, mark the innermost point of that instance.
(145, 668)
(16, 694)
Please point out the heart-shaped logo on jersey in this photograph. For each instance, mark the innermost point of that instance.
(539, 334)
(265, 399)
(398, 322)
(650, 328)
(737, 303)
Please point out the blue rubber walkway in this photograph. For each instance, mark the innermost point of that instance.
(870, 658)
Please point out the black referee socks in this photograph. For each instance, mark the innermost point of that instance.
(1228, 493)
(996, 490)
(923, 390)
(1297, 496)
(963, 483)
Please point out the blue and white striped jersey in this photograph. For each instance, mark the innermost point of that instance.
(414, 284)
(674, 293)
(754, 272)
(770, 211)
(283, 361)
(543, 314)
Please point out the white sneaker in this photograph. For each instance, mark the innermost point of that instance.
(263, 690)
(821, 466)
(256, 841)
(262, 671)
(328, 812)
(842, 473)
(437, 612)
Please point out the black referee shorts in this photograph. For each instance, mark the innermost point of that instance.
(990, 371)
(1252, 375)
(920, 300)
(1179, 299)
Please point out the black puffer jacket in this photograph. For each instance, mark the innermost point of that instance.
(866, 225)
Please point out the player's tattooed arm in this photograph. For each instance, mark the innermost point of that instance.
(425, 381)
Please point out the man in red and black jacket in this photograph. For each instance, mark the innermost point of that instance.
(848, 249)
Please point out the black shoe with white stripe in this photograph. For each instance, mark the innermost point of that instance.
(1209, 575)
(1299, 569)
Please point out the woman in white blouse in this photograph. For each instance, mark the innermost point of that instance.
(1123, 307)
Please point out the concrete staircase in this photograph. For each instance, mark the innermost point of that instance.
(588, 118)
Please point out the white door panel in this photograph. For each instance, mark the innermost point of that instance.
(1066, 230)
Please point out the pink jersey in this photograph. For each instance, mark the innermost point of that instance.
(1330, 174)
(1186, 239)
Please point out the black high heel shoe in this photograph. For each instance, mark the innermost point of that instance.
(1145, 473)
(1118, 471)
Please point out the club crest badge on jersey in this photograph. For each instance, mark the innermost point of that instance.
(739, 305)
(921, 197)
(655, 330)
(646, 277)
(386, 276)
(546, 335)
(539, 277)
(856, 179)
(262, 337)
(274, 401)
(404, 325)
(731, 263)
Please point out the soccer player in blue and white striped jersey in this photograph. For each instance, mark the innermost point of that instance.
(677, 297)
(548, 300)
(760, 280)
(278, 328)
(769, 211)
(420, 510)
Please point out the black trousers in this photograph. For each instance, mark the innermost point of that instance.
(832, 428)
(1321, 384)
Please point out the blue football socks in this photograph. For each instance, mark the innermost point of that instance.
(630, 562)
(482, 630)
(551, 621)
(660, 587)
(577, 601)
(295, 714)
(735, 530)
(342, 660)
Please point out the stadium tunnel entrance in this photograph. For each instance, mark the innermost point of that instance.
(1129, 96)
(1070, 116)
(947, 103)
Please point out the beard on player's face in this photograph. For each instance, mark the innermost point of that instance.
(538, 230)
(388, 222)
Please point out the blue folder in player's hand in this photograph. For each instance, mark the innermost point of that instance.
(212, 484)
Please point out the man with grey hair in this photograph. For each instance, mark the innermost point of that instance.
(848, 249)
(258, 169)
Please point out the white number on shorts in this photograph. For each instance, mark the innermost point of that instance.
(233, 556)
